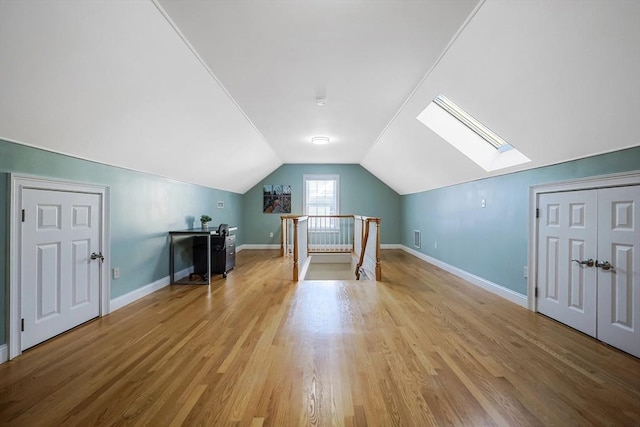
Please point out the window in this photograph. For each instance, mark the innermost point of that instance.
(469, 136)
(321, 196)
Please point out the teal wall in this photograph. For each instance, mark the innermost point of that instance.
(361, 193)
(492, 243)
(4, 250)
(144, 208)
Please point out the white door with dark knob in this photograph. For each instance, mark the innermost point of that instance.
(588, 262)
(60, 262)
(619, 268)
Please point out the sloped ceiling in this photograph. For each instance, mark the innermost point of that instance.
(111, 81)
(558, 80)
(175, 87)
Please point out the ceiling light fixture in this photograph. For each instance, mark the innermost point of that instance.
(320, 140)
(321, 101)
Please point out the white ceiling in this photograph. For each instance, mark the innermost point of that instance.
(167, 87)
(558, 80)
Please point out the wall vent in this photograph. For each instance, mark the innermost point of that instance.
(416, 238)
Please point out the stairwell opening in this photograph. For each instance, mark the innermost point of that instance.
(331, 267)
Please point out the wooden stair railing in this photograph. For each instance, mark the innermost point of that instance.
(361, 239)
(365, 243)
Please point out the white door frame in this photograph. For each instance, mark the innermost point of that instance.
(601, 181)
(18, 183)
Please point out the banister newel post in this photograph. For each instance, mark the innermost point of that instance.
(295, 249)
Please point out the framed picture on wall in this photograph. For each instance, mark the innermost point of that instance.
(276, 199)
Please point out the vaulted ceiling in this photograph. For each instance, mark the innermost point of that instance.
(221, 93)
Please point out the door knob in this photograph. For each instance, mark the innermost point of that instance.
(604, 265)
(588, 263)
(97, 256)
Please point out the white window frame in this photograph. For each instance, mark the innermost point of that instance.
(472, 138)
(333, 225)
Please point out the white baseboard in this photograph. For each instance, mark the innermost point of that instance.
(391, 246)
(255, 246)
(250, 246)
(329, 258)
(494, 288)
(4, 353)
(121, 301)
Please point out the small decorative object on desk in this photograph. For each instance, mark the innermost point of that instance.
(204, 220)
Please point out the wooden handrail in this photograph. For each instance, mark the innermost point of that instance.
(364, 239)
(296, 248)
(331, 216)
(283, 221)
(378, 264)
(363, 246)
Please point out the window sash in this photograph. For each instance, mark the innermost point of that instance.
(321, 196)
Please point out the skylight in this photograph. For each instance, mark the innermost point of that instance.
(469, 136)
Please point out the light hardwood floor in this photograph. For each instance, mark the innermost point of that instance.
(420, 348)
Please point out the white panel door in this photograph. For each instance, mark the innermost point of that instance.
(567, 235)
(59, 281)
(619, 286)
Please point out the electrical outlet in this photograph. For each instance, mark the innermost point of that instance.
(271, 234)
(526, 271)
(435, 245)
(483, 202)
(116, 273)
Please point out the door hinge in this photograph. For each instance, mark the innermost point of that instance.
(23, 215)
(536, 293)
(22, 325)
(537, 212)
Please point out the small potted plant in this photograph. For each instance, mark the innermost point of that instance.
(204, 220)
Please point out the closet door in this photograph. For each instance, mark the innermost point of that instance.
(567, 240)
(618, 272)
(59, 277)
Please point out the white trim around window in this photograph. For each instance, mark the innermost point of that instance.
(321, 177)
(327, 205)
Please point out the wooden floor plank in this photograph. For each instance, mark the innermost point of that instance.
(421, 348)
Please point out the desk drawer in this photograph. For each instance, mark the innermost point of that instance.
(231, 252)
